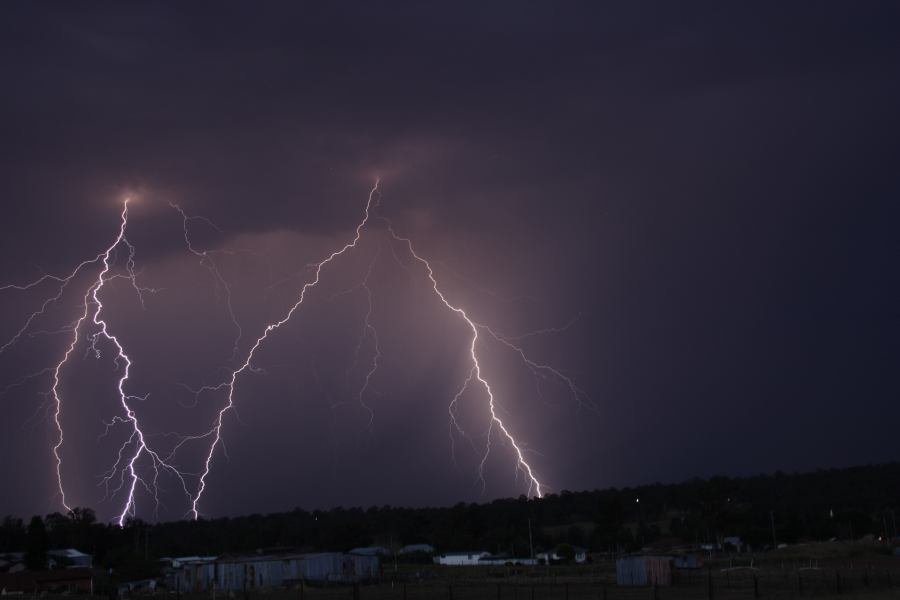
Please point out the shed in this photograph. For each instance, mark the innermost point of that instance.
(644, 570)
(323, 566)
(688, 561)
(362, 567)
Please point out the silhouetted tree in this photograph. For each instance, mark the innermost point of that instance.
(36, 549)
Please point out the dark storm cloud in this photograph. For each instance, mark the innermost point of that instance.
(712, 186)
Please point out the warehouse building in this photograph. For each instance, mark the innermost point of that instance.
(265, 571)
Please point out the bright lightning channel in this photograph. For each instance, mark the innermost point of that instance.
(136, 445)
(535, 487)
(476, 374)
(93, 307)
(216, 431)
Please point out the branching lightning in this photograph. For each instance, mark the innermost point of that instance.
(534, 485)
(476, 373)
(92, 328)
(368, 330)
(207, 259)
(136, 454)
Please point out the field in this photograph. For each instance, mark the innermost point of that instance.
(833, 570)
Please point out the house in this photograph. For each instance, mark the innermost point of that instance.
(639, 570)
(470, 557)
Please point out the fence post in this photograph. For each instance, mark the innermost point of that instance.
(710, 582)
(866, 577)
(567, 591)
(450, 590)
(302, 590)
(887, 574)
(498, 591)
(837, 581)
(799, 583)
(655, 592)
(755, 586)
(604, 591)
(532, 591)
(404, 590)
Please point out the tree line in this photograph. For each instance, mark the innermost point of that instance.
(762, 510)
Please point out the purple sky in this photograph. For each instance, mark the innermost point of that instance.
(712, 193)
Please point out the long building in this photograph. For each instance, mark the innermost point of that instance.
(263, 571)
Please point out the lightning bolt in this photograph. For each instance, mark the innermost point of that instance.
(216, 431)
(63, 283)
(126, 461)
(368, 330)
(91, 327)
(535, 486)
(496, 425)
(207, 260)
(136, 453)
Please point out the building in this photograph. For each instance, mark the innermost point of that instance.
(363, 567)
(506, 559)
(12, 562)
(688, 561)
(642, 570)
(69, 557)
(417, 548)
(467, 558)
(580, 555)
(266, 571)
(371, 551)
(187, 573)
(139, 587)
(75, 580)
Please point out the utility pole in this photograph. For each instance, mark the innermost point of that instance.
(530, 541)
(394, 553)
(772, 520)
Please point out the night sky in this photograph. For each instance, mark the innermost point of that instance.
(702, 198)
